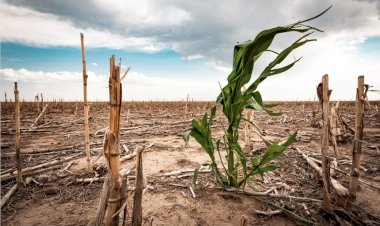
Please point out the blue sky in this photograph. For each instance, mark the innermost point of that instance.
(176, 48)
(168, 62)
(371, 46)
(163, 65)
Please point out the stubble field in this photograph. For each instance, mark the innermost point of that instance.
(58, 196)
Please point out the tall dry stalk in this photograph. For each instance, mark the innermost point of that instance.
(86, 108)
(357, 149)
(127, 120)
(18, 137)
(112, 143)
(62, 105)
(37, 99)
(187, 100)
(42, 103)
(76, 108)
(325, 142)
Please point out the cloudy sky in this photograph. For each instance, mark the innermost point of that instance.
(180, 48)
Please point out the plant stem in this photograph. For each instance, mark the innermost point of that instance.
(356, 152)
(232, 173)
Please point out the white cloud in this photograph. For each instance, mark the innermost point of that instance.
(40, 76)
(152, 48)
(208, 33)
(170, 16)
(136, 86)
(182, 26)
(24, 25)
(193, 57)
(342, 64)
(220, 66)
(94, 64)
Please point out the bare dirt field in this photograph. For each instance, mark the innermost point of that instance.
(56, 195)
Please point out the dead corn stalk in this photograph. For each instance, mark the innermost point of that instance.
(37, 168)
(112, 143)
(341, 191)
(124, 199)
(127, 120)
(357, 149)
(39, 116)
(37, 99)
(76, 108)
(62, 106)
(187, 100)
(42, 103)
(86, 108)
(7, 196)
(103, 202)
(324, 96)
(18, 137)
(137, 206)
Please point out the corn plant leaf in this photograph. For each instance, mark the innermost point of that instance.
(285, 68)
(199, 126)
(196, 175)
(200, 139)
(271, 105)
(212, 115)
(203, 136)
(264, 169)
(186, 137)
(276, 149)
(257, 104)
(314, 17)
(273, 113)
(257, 96)
(268, 70)
(204, 119)
(290, 140)
(272, 151)
(255, 161)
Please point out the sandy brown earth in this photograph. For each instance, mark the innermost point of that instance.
(54, 198)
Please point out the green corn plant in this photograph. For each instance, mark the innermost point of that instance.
(234, 101)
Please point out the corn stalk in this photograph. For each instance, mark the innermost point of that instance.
(86, 108)
(18, 137)
(234, 101)
(361, 94)
(325, 143)
(112, 142)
